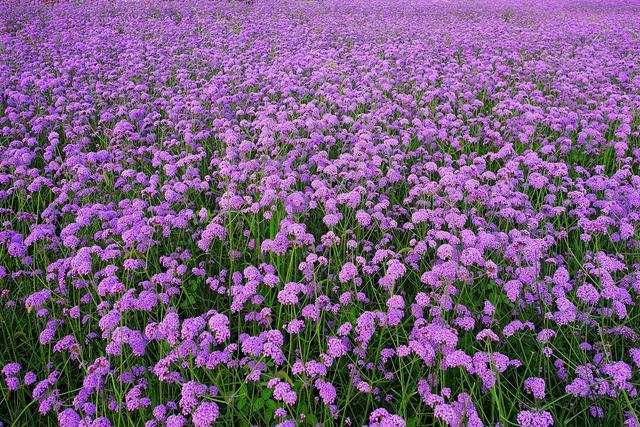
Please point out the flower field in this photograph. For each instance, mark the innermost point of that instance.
(319, 213)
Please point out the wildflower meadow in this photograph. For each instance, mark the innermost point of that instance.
(379, 213)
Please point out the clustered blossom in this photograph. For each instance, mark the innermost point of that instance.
(286, 212)
(535, 386)
(535, 419)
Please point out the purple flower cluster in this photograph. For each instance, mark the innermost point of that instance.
(289, 212)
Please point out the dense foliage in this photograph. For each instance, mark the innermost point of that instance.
(400, 212)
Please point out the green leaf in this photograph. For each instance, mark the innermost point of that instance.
(311, 420)
(242, 391)
(258, 404)
(268, 414)
(272, 404)
(266, 393)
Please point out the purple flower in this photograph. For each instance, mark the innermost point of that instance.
(69, 418)
(282, 391)
(330, 195)
(381, 418)
(535, 386)
(535, 419)
(205, 414)
(326, 391)
(11, 369)
(348, 272)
